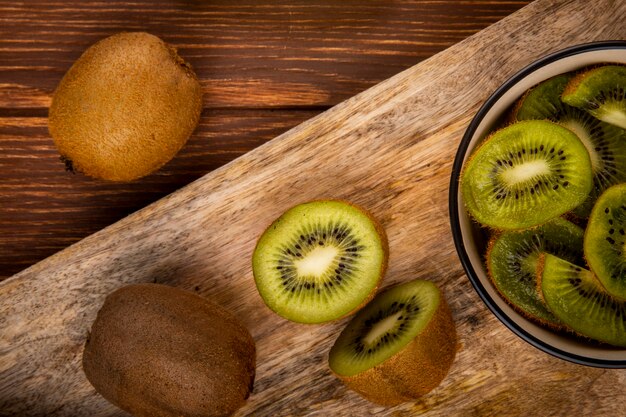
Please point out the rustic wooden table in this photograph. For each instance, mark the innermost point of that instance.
(265, 67)
(389, 149)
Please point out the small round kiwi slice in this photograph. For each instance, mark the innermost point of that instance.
(605, 240)
(512, 264)
(124, 108)
(526, 174)
(399, 347)
(320, 261)
(601, 92)
(605, 143)
(578, 299)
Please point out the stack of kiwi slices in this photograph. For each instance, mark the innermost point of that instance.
(550, 187)
(323, 260)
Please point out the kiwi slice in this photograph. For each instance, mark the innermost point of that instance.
(605, 143)
(320, 261)
(526, 174)
(512, 263)
(605, 240)
(601, 92)
(578, 299)
(399, 347)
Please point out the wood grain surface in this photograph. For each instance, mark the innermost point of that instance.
(389, 149)
(265, 67)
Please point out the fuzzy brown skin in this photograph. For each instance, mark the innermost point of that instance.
(384, 242)
(159, 351)
(573, 84)
(415, 370)
(125, 107)
(541, 263)
(512, 116)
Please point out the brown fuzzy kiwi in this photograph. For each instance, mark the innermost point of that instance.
(159, 351)
(415, 369)
(124, 108)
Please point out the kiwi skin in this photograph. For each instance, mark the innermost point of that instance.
(159, 351)
(415, 370)
(383, 240)
(124, 108)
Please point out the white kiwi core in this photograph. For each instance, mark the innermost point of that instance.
(381, 328)
(525, 171)
(613, 115)
(585, 138)
(317, 262)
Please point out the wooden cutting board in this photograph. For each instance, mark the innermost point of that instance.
(389, 149)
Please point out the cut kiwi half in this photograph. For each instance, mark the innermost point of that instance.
(605, 240)
(512, 264)
(601, 92)
(525, 175)
(605, 143)
(578, 299)
(320, 261)
(399, 347)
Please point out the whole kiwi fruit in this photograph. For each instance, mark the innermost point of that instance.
(125, 107)
(159, 351)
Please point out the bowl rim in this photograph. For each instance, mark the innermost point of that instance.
(453, 204)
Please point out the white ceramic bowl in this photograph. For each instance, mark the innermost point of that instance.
(470, 241)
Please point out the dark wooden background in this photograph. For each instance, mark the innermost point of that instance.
(265, 66)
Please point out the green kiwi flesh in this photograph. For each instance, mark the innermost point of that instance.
(605, 240)
(320, 261)
(399, 347)
(601, 92)
(605, 143)
(384, 327)
(526, 174)
(512, 264)
(578, 299)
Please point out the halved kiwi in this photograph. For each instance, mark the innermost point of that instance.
(320, 261)
(399, 347)
(605, 143)
(605, 240)
(578, 299)
(526, 174)
(601, 92)
(512, 264)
